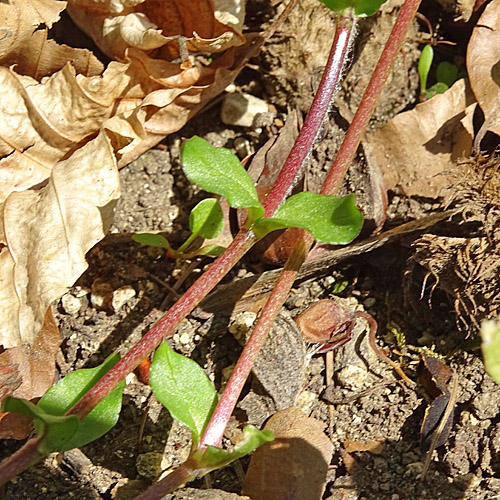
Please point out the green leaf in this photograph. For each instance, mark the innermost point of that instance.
(153, 240)
(63, 395)
(212, 458)
(219, 171)
(211, 250)
(437, 88)
(206, 219)
(424, 66)
(362, 8)
(57, 431)
(490, 336)
(182, 388)
(447, 73)
(330, 219)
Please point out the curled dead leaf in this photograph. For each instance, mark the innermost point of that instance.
(164, 28)
(27, 371)
(416, 149)
(483, 67)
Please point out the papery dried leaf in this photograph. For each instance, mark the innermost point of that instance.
(38, 56)
(40, 123)
(34, 366)
(30, 51)
(173, 95)
(46, 234)
(295, 464)
(151, 24)
(483, 58)
(20, 18)
(416, 149)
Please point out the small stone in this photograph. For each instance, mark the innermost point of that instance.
(240, 109)
(149, 464)
(369, 302)
(242, 324)
(70, 304)
(414, 469)
(185, 338)
(121, 296)
(242, 147)
(352, 377)
(306, 401)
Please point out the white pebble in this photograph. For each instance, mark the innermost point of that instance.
(121, 296)
(241, 109)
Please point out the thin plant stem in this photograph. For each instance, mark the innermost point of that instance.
(344, 35)
(215, 428)
(19, 461)
(222, 413)
(288, 176)
(166, 325)
(364, 112)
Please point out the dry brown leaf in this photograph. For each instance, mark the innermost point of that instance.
(34, 367)
(20, 18)
(167, 25)
(46, 234)
(35, 363)
(42, 122)
(30, 51)
(483, 67)
(295, 464)
(416, 149)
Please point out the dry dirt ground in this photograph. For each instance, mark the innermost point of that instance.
(369, 405)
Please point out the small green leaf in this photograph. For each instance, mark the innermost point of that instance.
(424, 66)
(437, 88)
(63, 395)
(57, 431)
(153, 240)
(339, 287)
(362, 8)
(219, 171)
(182, 388)
(330, 219)
(212, 458)
(447, 73)
(490, 336)
(206, 219)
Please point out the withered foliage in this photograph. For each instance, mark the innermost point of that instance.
(468, 269)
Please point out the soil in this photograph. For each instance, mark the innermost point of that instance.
(128, 286)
